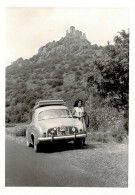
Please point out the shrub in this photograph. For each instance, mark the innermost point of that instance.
(57, 74)
(57, 82)
(74, 69)
(85, 70)
(58, 89)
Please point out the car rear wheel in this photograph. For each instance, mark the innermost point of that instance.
(28, 144)
(36, 147)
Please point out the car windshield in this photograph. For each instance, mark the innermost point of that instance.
(50, 114)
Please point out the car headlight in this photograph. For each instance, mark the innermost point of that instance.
(73, 129)
(52, 132)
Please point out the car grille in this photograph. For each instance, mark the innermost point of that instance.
(59, 131)
(67, 130)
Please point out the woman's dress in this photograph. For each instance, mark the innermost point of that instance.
(78, 112)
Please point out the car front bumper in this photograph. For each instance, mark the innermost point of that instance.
(68, 137)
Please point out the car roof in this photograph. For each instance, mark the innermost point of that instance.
(38, 110)
(42, 103)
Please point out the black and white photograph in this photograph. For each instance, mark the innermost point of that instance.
(67, 97)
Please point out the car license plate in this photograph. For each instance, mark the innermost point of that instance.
(63, 133)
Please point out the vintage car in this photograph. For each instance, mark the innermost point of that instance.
(52, 121)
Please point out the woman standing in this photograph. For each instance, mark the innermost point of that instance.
(78, 112)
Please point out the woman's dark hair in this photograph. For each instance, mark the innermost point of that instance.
(76, 103)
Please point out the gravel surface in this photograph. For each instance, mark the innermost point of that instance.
(109, 162)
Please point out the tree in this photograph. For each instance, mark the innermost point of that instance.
(111, 72)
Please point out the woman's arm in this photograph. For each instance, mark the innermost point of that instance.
(83, 112)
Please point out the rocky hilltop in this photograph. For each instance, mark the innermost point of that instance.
(73, 35)
(74, 40)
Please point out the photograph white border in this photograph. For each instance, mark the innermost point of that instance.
(130, 4)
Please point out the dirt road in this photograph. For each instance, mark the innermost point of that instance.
(95, 165)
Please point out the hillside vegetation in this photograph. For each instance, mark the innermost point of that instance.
(69, 69)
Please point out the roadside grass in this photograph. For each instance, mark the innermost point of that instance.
(16, 130)
(114, 132)
(106, 137)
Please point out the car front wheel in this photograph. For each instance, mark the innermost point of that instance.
(78, 143)
(83, 142)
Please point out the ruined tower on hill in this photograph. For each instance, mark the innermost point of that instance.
(75, 33)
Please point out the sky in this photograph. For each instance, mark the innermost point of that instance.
(29, 28)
